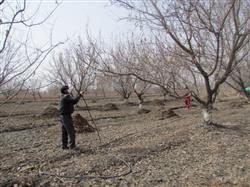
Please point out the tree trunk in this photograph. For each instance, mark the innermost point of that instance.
(40, 95)
(34, 96)
(247, 94)
(248, 97)
(165, 97)
(140, 97)
(207, 115)
(140, 106)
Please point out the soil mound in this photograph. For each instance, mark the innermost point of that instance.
(164, 114)
(50, 112)
(143, 111)
(109, 106)
(81, 124)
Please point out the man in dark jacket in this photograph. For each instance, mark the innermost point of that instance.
(66, 109)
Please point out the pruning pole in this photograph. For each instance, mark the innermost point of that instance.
(92, 119)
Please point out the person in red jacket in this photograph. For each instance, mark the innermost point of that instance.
(188, 99)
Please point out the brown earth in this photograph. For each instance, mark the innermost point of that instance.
(82, 125)
(168, 146)
(109, 106)
(50, 111)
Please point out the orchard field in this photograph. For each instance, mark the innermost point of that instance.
(165, 144)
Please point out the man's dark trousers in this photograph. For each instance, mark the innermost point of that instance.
(67, 131)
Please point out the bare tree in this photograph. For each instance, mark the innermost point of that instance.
(144, 61)
(123, 86)
(155, 66)
(35, 86)
(140, 88)
(18, 64)
(75, 67)
(103, 84)
(239, 79)
(19, 58)
(209, 35)
(14, 14)
(11, 89)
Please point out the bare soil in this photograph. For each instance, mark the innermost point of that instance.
(168, 146)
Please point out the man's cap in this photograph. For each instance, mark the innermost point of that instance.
(64, 88)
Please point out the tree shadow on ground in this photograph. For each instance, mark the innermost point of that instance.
(241, 128)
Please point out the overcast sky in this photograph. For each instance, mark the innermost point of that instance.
(70, 20)
(72, 17)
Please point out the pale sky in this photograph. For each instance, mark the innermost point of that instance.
(70, 20)
(72, 17)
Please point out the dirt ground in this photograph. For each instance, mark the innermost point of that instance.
(137, 149)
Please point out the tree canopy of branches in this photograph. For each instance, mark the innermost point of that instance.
(239, 79)
(206, 38)
(145, 61)
(75, 66)
(19, 59)
(15, 14)
(140, 88)
(123, 86)
(209, 35)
